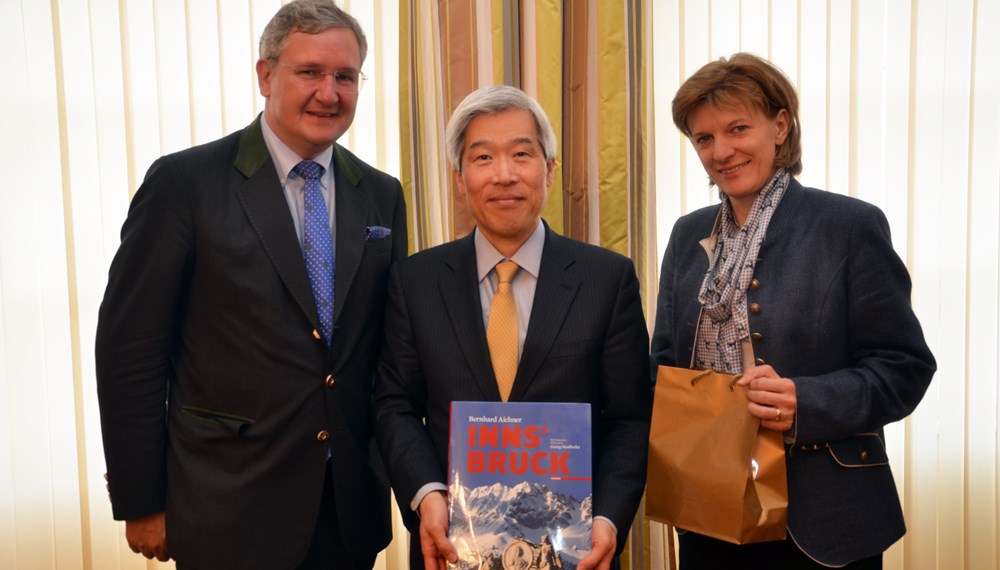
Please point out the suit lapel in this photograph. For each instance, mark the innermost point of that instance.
(554, 294)
(352, 213)
(266, 208)
(459, 290)
(786, 217)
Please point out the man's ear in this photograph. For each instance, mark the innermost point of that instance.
(460, 182)
(264, 76)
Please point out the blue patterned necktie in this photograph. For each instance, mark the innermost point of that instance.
(317, 245)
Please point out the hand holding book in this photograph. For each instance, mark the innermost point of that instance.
(603, 542)
(437, 550)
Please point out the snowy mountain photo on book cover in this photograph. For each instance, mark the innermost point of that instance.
(520, 485)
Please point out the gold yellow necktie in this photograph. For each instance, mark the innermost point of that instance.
(501, 329)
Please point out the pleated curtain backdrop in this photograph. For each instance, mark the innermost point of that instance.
(587, 62)
(900, 107)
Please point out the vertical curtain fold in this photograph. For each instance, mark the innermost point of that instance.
(598, 105)
(574, 133)
(546, 36)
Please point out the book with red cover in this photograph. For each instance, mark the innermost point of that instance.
(519, 484)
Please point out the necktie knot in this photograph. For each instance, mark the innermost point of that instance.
(309, 170)
(506, 271)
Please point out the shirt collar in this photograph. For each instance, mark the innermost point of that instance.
(285, 158)
(528, 257)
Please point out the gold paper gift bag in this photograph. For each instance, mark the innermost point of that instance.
(712, 470)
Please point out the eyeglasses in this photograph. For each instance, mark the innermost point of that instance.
(345, 80)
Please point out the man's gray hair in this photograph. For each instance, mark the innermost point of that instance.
(309, 17)
(490, 101)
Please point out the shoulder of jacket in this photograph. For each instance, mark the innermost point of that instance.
(591, 252)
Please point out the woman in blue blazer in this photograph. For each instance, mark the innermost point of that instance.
(801, 291)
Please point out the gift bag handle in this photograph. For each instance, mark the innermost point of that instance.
(704, 373)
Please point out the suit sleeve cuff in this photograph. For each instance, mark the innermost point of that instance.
(423, 492)
(607, 520)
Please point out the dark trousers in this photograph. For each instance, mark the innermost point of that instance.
(699, 552)
(326, 549)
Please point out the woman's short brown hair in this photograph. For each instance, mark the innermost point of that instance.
(744, 80)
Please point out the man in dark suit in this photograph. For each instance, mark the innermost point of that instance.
(237, 341)
(580, 336)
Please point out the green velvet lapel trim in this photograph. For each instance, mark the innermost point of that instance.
(346, 165)
(253, 152)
